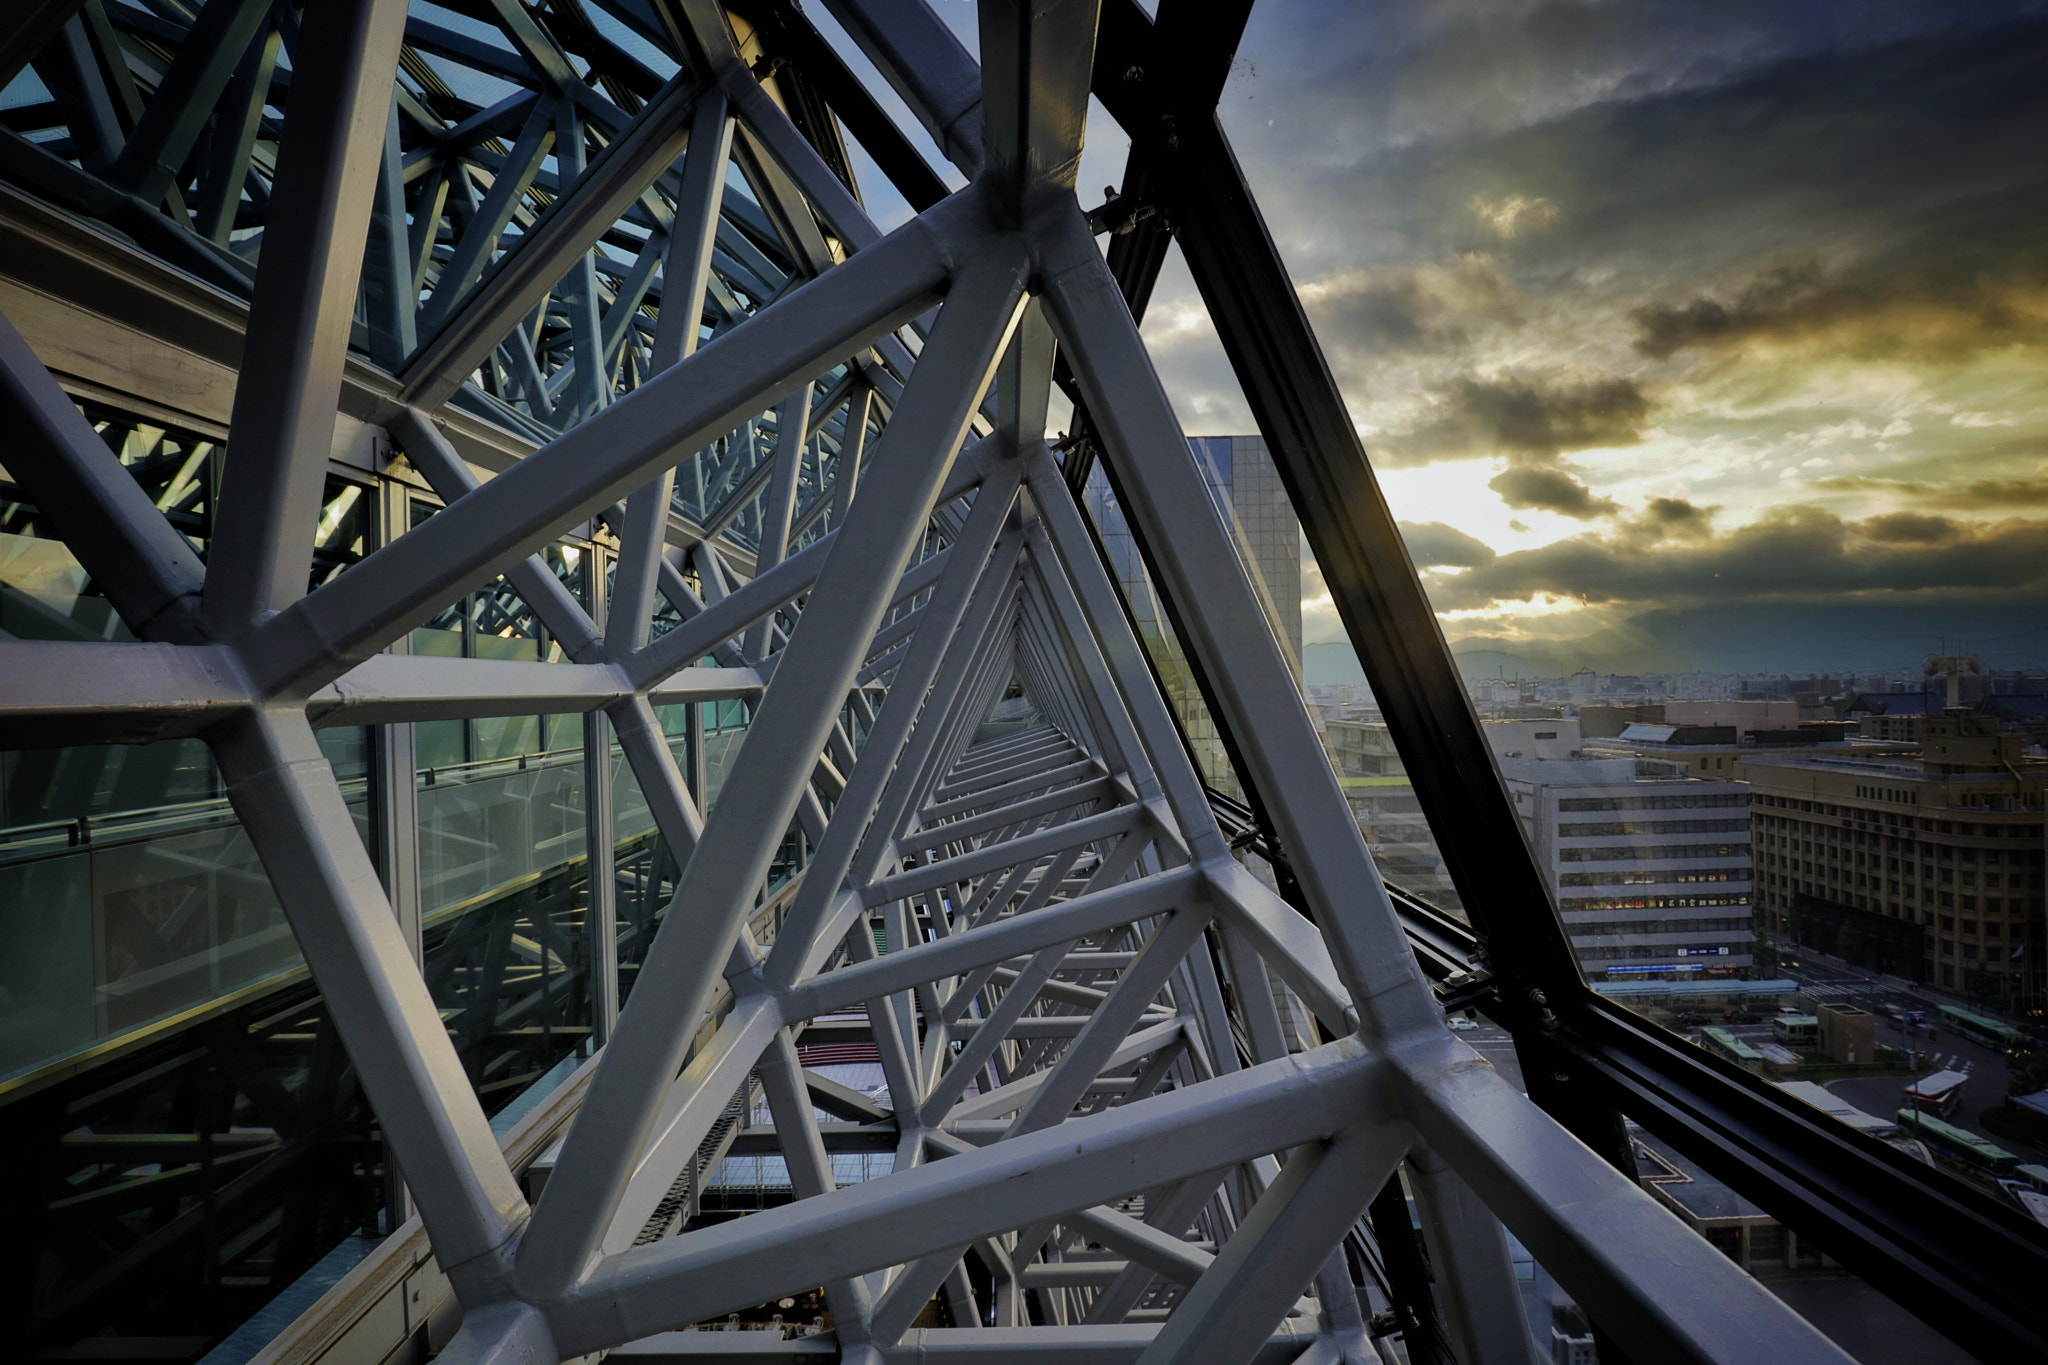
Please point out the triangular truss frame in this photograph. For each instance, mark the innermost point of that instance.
(1074, 1097)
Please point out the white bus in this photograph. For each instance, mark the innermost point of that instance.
(1938, 1094)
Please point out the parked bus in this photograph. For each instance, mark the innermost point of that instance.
(1938, 1094)
(2037, 1176)
(1989, 1032)
(1825, 1100)
(1797, 1030)
(2028, 1198)
(1959, 1148)
(1722, 1043)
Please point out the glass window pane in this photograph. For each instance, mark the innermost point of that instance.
(129, 893)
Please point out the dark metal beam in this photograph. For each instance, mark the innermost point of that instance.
(1321, 460)
(26, 27)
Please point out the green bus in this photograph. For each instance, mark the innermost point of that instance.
(1989, 1032)
(2036, 1176)
(1722, 1043)
(1797, 1030)
(1958, 1147)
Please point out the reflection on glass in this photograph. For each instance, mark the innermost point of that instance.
(45, 594)
(725, 728)
(129, 893)
(511, 978)
(1154, 629)
(487, 824)
(179, 1187)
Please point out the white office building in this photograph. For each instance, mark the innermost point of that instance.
(1651, 868)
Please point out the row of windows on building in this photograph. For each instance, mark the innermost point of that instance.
(1913, 897)
(1685, 802)
(1992, 951)
(1638, 828)
(1874, 869)
(1581, 903)
(1626, 853)
(1658, 878)
(1810, 837)
(1659, 926)
(1967, 828)
(1640, 952)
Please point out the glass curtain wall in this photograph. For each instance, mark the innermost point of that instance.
(166, 1065)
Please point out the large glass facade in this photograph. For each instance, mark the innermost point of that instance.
(144, 954)
(129, 895)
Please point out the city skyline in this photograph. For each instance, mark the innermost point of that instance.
(1614, 356)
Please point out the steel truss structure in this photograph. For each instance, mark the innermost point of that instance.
(823, 451)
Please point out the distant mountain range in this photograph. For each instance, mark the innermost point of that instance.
(1775, 637)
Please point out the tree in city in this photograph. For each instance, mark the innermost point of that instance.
(1764, 954)
(2026, 1074)
(1980, 983)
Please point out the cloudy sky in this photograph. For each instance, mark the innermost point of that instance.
(1668, 309)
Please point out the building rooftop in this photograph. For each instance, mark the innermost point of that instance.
(1623, 990)
(1598, 772)
(1686, 1183)
(1888, 768)
(1650, 732)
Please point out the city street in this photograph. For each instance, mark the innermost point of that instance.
(1826, 981)
(1872, 1328)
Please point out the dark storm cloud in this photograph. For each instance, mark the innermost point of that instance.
(1746, 196)
(1431, 306)
(1551, 490)
(1531, 422)
(1765, 304)
(1975, 494)
(1700, 138)
(1894, 306)
(1674, 519)
(1798, 551)
(1910, 528)
(1432, 544)
(1526, 419)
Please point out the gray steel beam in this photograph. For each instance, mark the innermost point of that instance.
(286, 797)
(1035, 63)
(921, 58)
(26, 28)
(835, 856)
(173, 119)
(1001, 1345)
(1637, 1269)
(762, 794)
(1165, 494)
(951, 1202)
(299, 322)
(1473, 1274)
(462, 337)
(1258, 1275)
(147, 570)
(600, 461)
(389, 687)
(1012, 937)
